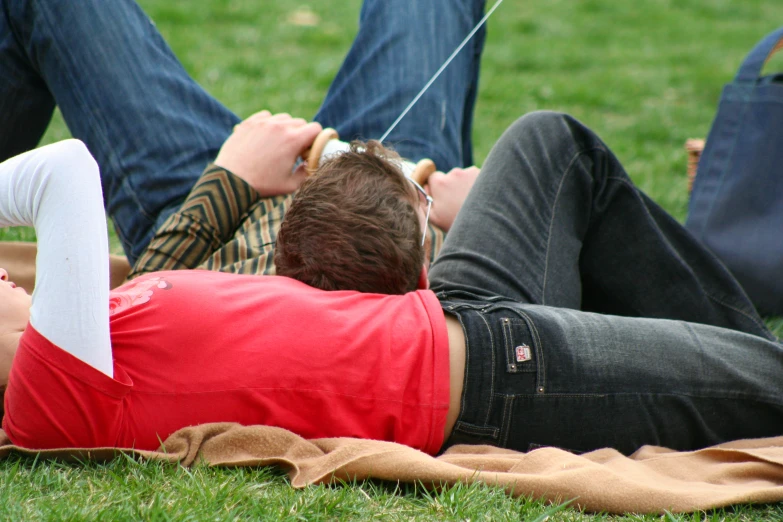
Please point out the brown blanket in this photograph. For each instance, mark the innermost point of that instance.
(650, 481)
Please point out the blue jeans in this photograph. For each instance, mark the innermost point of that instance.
(592, 318)
(152, 129)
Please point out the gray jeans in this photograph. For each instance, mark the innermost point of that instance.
(592, 317)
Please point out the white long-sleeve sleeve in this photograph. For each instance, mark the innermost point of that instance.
(57, 189)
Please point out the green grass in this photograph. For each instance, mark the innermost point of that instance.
(126, 489)
(645, 74)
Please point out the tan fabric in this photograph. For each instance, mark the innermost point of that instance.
(18, 258)
(650, 481)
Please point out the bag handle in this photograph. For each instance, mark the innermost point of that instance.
(751, 68)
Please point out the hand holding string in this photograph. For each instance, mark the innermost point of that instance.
(263, 149)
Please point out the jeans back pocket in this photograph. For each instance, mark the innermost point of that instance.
(521, 356)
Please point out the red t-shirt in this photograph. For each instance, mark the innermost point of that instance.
(192, 347)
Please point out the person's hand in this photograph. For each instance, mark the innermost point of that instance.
(448, 192)
(263, 150)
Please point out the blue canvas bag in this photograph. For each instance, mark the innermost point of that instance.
(736, 207)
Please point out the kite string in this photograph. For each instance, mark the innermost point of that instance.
(439, 71)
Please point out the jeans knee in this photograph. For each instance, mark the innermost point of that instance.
(547, 123)
(534, 130)
(550, 130)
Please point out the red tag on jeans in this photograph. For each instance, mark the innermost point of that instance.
(523, 353)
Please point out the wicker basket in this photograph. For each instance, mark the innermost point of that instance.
(694, 148)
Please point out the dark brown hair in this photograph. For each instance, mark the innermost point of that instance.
(353, 225)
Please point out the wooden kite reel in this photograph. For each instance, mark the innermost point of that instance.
(328, 143)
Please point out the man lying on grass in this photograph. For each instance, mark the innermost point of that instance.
(153, 130)
(566, 309)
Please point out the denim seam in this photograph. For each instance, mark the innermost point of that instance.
(505, 326)
(743, 313)
(539, 355)
(559, 395)
(493, 362)
(566, 174)
(467, 368)
(472, 429)
(505, 428)
(708, 294)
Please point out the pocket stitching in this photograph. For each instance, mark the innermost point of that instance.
(539, 351)
(492, 354)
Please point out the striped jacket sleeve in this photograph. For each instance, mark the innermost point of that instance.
(225, 226)
(207, 220)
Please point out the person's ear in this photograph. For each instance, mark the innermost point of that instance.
(424, 283)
